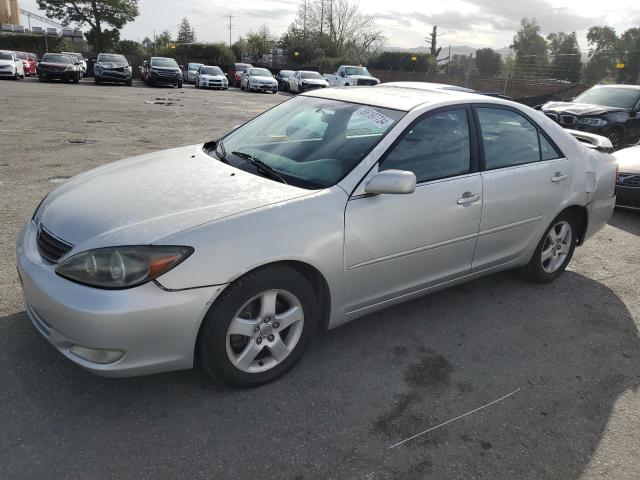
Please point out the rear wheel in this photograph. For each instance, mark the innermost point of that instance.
(96, 80)
(128, 83)
(554, 252)
(259, 327)
(616, 136)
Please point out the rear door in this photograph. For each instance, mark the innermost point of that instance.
(525, 179)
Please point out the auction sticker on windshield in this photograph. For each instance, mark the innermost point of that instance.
(372, 115)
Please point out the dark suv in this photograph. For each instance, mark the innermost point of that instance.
(609, 110)
(161, 71)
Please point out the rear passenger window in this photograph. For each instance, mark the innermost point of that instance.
(509, 138)
(436, 147)
(547, 150)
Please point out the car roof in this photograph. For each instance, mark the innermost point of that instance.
(6, 51)
(393, 97)
(428, 86)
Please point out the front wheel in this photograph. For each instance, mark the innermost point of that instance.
(259, 328)
(179, 84)
(554, 252)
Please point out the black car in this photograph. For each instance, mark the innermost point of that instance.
(58, 66)
(609, 110)
(161, 71)
(282, 77)
(110, 67)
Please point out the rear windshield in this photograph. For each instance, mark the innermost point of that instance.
(211, 71)
(194, 66)
(260, 72)
(286, 73)
(610, 97)
(56, 58)
(22, 55)
(164, 62)
(311, 75)
(5, 56)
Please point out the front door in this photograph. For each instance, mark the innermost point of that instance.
(399, 244)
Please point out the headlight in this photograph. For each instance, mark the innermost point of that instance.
(595, 122)
(122, 267)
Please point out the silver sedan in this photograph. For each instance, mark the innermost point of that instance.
(332, 205)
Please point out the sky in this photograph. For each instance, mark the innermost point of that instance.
(406, 23)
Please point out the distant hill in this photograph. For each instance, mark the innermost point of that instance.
(461, 50)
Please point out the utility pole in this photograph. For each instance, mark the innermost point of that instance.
(304, 21)
(229, 27)
(448, 60)
(155, 43)
(321, 16)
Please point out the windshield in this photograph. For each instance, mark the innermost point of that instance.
(164, 63)
(260, 72)
(611, 97)
(56, 58)
(111, 58)
(22, 55)
(241, 67)
(75, 55)
(211, 71)
(286, 73)
(356, 71)
(5, 56)
(311, 142)
(311, 75)
(194, 66)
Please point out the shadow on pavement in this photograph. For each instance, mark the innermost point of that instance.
(627, 220)
(571, 347)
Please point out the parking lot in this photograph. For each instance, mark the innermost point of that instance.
(568, 351)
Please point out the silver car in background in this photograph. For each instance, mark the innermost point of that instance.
(327, 207)
(192, 72)
(211, 76)
(258, 80)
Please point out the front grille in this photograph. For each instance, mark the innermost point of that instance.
(50, 247)
(367, 82)
(568, 120)
(628, 180)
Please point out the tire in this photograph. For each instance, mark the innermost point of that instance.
(128, 83)
(346, 85)
(76, 80)
(217, 350)
(179, 84)
(556, 258)
(40, 78)
(96, 80)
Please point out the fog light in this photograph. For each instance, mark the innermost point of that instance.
(96, 355)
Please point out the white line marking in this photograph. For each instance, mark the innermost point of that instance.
(454, 419)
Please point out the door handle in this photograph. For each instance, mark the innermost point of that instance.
(559, 176)
(467, 198)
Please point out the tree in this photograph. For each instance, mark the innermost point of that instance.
(259, 43)
(96, 14)
(128, 48)
(488, 62)
(460, 65)
(530, 48)
(602, 58)
(603, 38)
(186, 34)
(431, 40)
(164, 39)
(566, 59)
(629, 47)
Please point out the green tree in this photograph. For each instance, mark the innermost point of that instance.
(602, 57)
(460, 65)
(628, 46)
(565, 56)
(186, 34)
(95, 13)
(260, 42)
(128, 48)
(164, 39)
(488, 62)
(530, 48)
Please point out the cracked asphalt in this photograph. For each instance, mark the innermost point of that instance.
(571, 348)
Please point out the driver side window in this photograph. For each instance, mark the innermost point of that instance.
(437, 146)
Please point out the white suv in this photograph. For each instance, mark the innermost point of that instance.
(10, 65)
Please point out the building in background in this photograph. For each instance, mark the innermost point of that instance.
(10, 12)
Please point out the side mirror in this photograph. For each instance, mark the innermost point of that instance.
(342, 74)
(391, 181)
(226, 75)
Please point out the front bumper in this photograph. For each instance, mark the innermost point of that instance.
(156, 329)
(628, 197)
(264, 88)
(65, 75)
(113, 75)
(7, 73)
(172, 79)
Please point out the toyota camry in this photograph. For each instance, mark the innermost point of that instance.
(332, 205)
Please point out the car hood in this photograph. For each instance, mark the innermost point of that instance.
(146, 198)
(213, 77)
(265, 79)
(628, 159)
(55, 65)
(362, 77)
(314, 81)
(165, 69)
(579, 109)
(109, 65)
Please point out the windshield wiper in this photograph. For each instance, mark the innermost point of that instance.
(260, 165)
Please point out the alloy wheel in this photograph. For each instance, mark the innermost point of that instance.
(556, 247)
(264, 331)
